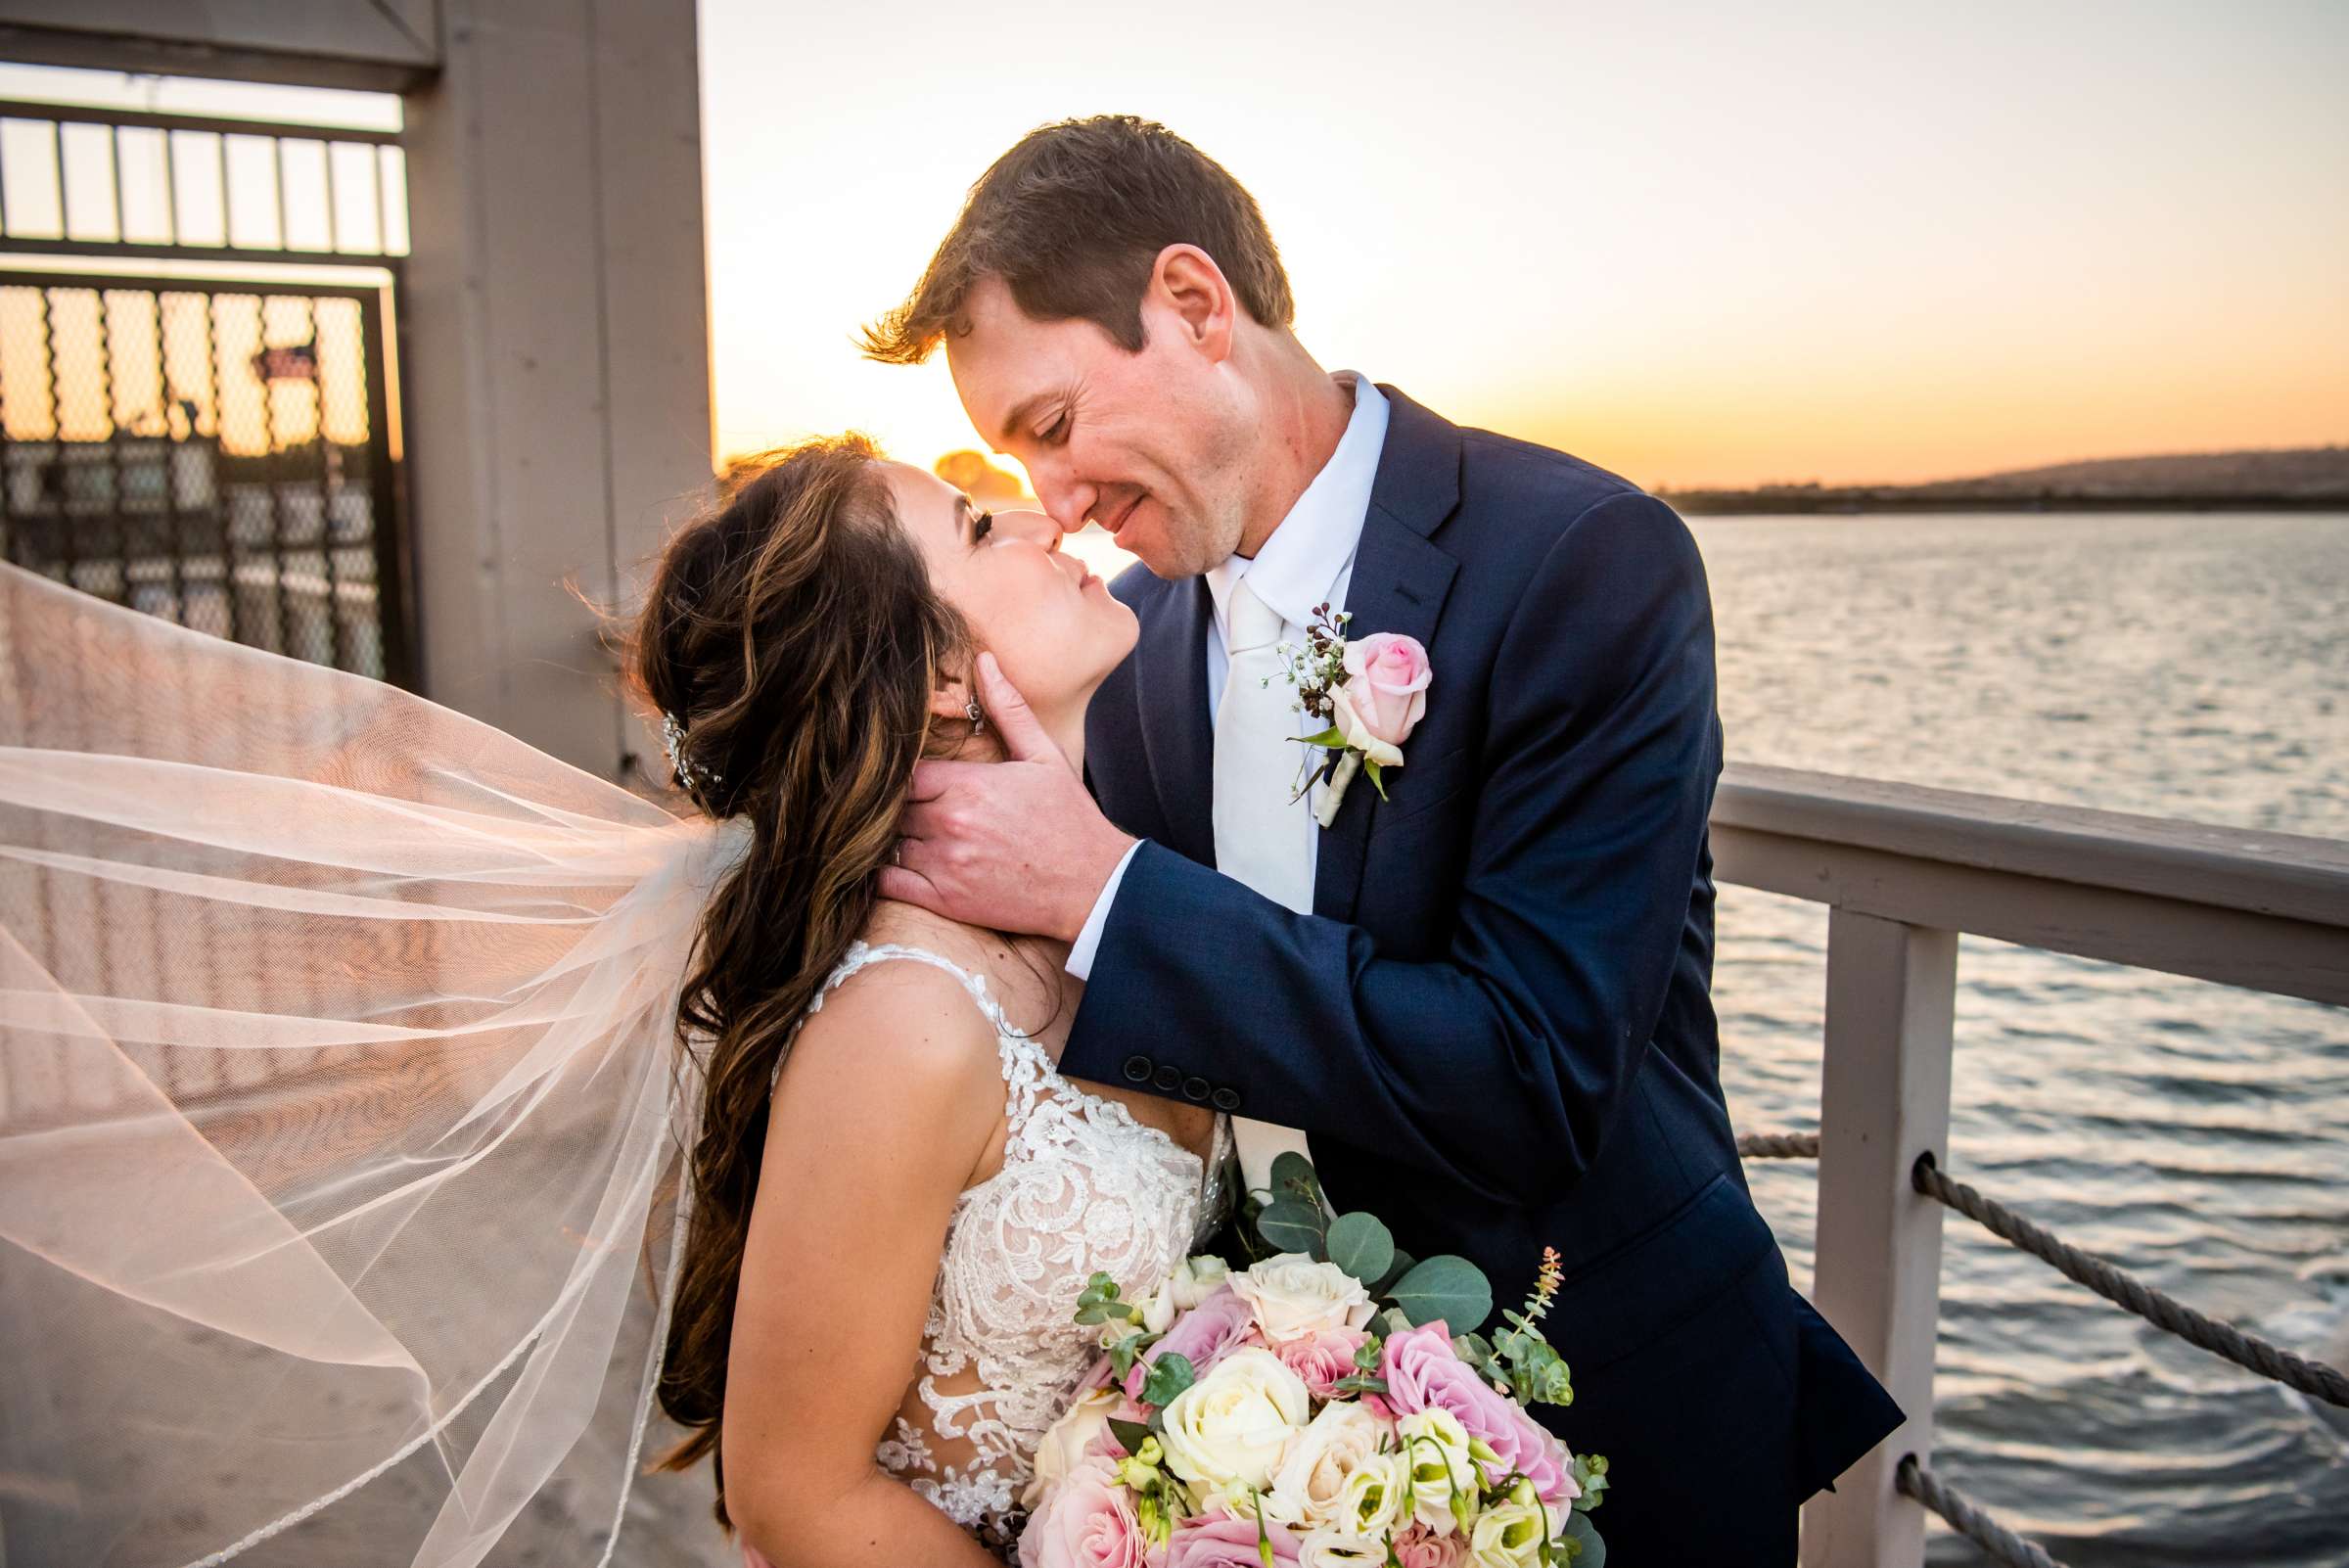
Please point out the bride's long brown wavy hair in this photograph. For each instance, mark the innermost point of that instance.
(794, 632)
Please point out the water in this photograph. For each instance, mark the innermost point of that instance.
(2175, 665)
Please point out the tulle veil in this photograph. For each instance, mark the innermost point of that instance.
(340, 1109)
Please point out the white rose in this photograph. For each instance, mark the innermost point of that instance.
(1434, 1449)
(1195, 1279)
(1358, 735)
(1305, 1487)
(1293, 1297)
(1334, 1549)
(1508, 1535)
(1068, 1439)
(1231, 1427)
(1370, 1502)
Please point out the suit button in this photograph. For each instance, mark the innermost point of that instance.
(1227, 1099)
(1167, 1077)
(1195, 1089)
(1137, 1068)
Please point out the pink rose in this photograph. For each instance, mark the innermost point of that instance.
(1422, 1374)
(1225, 1541)
(1416, 1548)
(1087, 1521)
(1203, 1336)
(1321, 1360)
(1386, 680)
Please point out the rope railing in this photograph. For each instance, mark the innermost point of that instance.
(1914, 1479)
(2248, 1351)
(1778, 1146)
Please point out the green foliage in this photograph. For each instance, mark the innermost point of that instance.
(1290, 1225)
(1402, 1264)
(1584, 1548)
(1445, 1287)
(1377, 777)
(1127, 1351)
(1591, 1474)
(1333, 738)
(1098, 1302)
(1293, 1176)
(1129, 1434)
(1169, 1376)
(1361, 1246)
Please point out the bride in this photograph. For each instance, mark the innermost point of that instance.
(820, 632)
(358, 1065)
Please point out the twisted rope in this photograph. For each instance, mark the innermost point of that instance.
(1965, 1516)
(2313, 1378)
(1778, 1146)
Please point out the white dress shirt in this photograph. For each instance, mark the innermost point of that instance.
(1308, 559)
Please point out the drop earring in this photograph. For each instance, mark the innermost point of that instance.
(977, 716)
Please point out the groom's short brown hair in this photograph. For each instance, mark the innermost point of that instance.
(1072, 219)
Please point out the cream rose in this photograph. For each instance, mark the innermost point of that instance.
(1434, 1449)
(1313, 1471)
(1069, 1437)
(1231, 1427)
(1349, 722)
(1293, 1297)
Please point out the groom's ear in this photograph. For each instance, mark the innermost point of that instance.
(1193, 295)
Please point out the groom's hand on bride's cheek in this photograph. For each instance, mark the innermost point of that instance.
(1016, 846)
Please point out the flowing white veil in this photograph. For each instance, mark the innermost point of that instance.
(341, 1113)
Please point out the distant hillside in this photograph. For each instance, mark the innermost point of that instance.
(2304, 479)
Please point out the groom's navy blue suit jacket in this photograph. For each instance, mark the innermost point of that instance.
(1496, 1026)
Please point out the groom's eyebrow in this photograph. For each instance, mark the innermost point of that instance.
(1020, 418)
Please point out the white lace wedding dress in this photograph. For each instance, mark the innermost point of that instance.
(1084, 1187)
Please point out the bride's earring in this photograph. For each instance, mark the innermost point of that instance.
(976, 714)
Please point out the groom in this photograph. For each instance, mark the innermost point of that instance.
(1483, 999)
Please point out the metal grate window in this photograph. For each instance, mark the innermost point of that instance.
(211, 452)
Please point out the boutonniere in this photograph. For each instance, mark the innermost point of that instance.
(1372, 691)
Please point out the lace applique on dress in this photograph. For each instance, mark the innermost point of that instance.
(1086, 1188)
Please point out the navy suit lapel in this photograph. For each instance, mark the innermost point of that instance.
(1399, 584)
(1177, 737)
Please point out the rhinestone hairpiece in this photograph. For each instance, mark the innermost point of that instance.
(672, 736)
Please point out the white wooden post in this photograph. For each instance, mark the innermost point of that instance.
(1884, 1100)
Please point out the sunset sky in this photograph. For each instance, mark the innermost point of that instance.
(1695, 244)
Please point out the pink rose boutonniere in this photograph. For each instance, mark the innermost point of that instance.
(1372, 691)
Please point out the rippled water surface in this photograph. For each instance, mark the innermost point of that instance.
(2175, 665)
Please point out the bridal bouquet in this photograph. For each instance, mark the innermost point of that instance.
(1312, 1409)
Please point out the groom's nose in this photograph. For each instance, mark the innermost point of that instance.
(1068, 500)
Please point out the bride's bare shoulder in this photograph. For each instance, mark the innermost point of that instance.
(1021, 982)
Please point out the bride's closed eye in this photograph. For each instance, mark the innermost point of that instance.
(982, 525)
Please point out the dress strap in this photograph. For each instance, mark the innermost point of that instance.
(861, 955)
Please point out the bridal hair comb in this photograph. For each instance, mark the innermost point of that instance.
(672, 737)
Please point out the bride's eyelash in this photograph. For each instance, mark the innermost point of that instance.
(980, 526)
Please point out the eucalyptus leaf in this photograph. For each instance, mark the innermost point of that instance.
(1360, 1383)
(1445, 1287)
(1402, 1264)
(1394, 1320)
(1361, 1246)
(1590, 1551)
(1168, 1377)
(1290, 1226)
(1293, 1177)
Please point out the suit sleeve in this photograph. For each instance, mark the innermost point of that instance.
(1504, 1064)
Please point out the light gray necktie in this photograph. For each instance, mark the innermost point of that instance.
(1260, 835)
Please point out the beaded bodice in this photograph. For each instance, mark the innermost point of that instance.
(1084, 1187)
